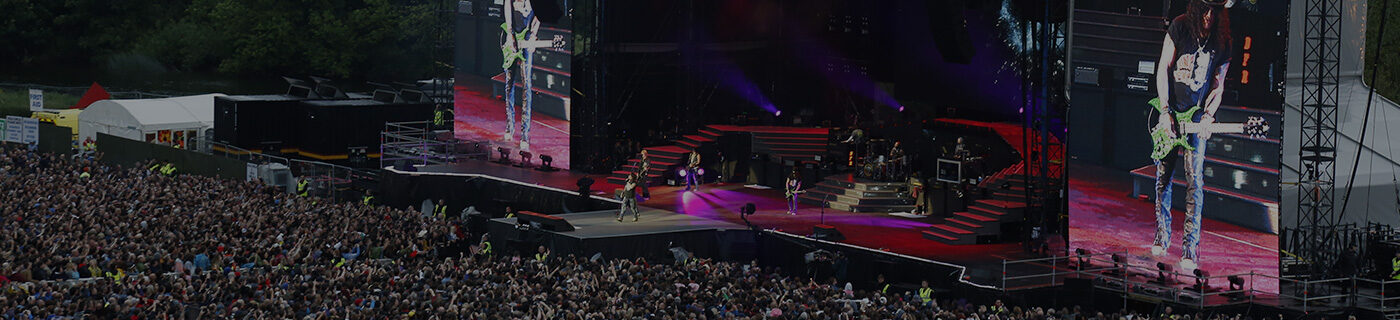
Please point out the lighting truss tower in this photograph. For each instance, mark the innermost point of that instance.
(1044, 160)
(1316, 241)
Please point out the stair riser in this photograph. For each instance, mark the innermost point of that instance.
(1003, 215)
(1242, 212)
(960, 240)
(1255, 152)
(1221, 175)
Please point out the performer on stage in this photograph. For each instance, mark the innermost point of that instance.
(793, 188)
(643, 165)
(520, 25)
(692, 176)
(1190, 76)
(895, 167)
(629, 198)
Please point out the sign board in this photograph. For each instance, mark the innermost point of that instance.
(31, 131)
(36, 100)
(1147, 66)
(252, 173)
(14, 129)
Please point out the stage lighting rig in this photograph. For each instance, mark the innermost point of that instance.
(525, 158)
(505, 155)
(1162, 270)
(1202, 280)
(546, 163)
(1082, 255)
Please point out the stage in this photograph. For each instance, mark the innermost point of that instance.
(710, 216)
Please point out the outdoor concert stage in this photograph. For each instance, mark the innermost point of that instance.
(673, 214)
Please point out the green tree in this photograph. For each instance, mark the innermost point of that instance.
(1387, 71)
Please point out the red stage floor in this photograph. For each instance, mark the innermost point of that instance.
(1104, 219)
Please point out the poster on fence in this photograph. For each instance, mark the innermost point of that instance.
(30, 131)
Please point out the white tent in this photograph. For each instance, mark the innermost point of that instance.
(164, 120)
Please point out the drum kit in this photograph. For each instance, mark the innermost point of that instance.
(879, 166)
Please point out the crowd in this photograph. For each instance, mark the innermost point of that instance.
(81, 239)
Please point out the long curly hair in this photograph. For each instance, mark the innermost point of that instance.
(1219, 29)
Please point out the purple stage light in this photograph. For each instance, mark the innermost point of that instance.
(901, 108)
(778, 113)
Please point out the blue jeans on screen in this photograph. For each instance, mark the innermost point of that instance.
(1195, 193)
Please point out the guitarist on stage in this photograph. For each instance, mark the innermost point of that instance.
(692, 168)
(1190, 82)
(793, 187)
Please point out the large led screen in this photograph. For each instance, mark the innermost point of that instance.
(512, 82)
(1174, 136)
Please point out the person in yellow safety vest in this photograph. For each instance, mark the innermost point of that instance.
(1395, 266)
(485, 245)
(368, 199)
(542, 255)
(440, 210)
(925, 293)
(89, 145)
(439, 116)
(302, 187)
(117, 277)
(85, 173)
(998, 307)
(881, 284)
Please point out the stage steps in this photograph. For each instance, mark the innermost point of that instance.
(846, 193)
(1241, 174)
(663, 159)
(783, 143)
(986, 219)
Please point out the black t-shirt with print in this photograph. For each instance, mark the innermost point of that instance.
(1195, 66)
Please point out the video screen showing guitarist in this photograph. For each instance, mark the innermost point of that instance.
(1190, 82)
(520, 32)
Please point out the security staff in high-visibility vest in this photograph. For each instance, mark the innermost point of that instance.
(542, 254)
(925, 293)
(1395, 266)
(368, 199)
(439, 116)
(440, 210)
(303, 187)
(485, 246)
(881, 285)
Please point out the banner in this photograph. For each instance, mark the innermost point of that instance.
(14, 129)
(31, 131)
(36, 100)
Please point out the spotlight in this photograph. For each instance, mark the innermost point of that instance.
(1118, 263)
(585, 186)
(1202, 279)
(778, 113)
(1236, 289)
(1162, 270)
(1082, 255)
(700, 171)
(525, 158)
(901, 108)
(683, 172)
(547, 163)
(505, 155)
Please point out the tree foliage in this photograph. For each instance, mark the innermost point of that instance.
(1388, 79)
(337, 38)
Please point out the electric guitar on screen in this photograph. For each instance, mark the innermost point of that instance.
(511, 51)
(1164, 143)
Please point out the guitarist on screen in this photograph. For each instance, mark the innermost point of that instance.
(1190, 82)
(520, 37)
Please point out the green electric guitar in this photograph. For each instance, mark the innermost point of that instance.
(510, 54)
(1163, 143)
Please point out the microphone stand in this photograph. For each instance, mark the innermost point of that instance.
(826, 202)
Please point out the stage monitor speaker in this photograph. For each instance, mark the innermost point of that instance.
(547, 222)
(546, 10)
(949, 28)
(827, 232)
